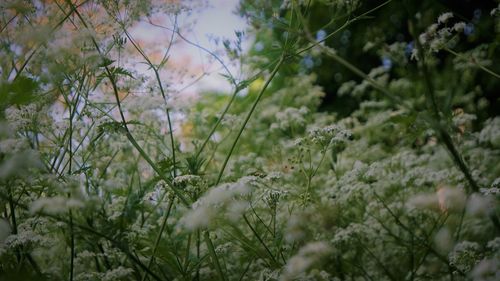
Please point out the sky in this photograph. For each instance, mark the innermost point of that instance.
(187, 64)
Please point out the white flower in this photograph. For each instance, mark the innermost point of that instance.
(305, 258)
(486, 270)
(494, 245)
(459, 26)
(290, 118)
(330, 135)
(186, 179)
(54, 205)
(443, 18)
(216, 201)
(423, 202)
(465, 255)
(119, 273)
(479, 204)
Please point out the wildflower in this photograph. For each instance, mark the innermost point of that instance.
(469, 29)
(490, 134)
(218, 200)
(330, 135)
(290, 118)
(308, 62)
(186, 180)
(320, 35)
(486, 270)
(423, 202)
(465, 255)
(494, 245)
(304, 259)
(443, 18)
(459, 26)
(479, 204)
(119, 273)
(54, 205)
(387, 63)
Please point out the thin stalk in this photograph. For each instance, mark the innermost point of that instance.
(72, 246)
(188, 247)
(91, 230)
(36, 48)
(219, 120)
(129, 135)
(442, 133)
(12, 210)
(252, 109)
(162, 91)
(213, 255)
(482, 67)
(260, 240)
(198, 244)
(158, 238)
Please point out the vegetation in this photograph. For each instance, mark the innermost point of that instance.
(361, 141)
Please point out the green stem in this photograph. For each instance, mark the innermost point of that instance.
(129, 135)
(158, 238)
(261, 241)
(213, 255)
(252, 109)
(219, 120)
(484, 68)
(442, 133)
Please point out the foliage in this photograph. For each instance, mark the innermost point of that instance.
(360, 142)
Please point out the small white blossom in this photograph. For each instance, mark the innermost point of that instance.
(55, 205)
(465, 255)
(118, 273)
(443, 18)
(486, 270)
(304, 259)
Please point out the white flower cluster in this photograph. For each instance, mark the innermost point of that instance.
(55, 205)
(23, 239)
(438, 35)
(184, 180)
(115, 274)
(351, 234)
(445, 199)
(291, 118)
(486, 270)
(333, 135)
(470, 59)
(272, 197)
(490, 134)
(465, 255)
(227, 196)
(306, 257)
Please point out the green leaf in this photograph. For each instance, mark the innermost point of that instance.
(106, 62)
(20, 91)
(121, 71)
